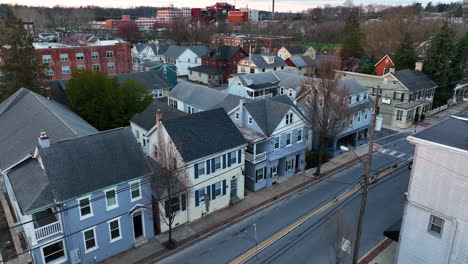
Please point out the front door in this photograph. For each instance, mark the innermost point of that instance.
(233, 188)
(138, 225)
(297, 162)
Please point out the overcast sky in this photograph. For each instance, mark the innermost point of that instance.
(281, 5)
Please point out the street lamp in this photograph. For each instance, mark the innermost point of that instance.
(346, 149)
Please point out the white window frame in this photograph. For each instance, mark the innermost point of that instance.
(93, 53)
(281, 90)
(116, 205)
(290, 139)
(218, 188)
(112, 240)
(290, 92)
(64, 57)
(216, 163)
(110, 66)
(96, 68)
(299, 135)
(234, 157)
(88, 250)
(431, 223)
(79, 56)
(109, 54)
(276, 140)
(289, 165)
(237, 115)
(91, 214)
(79, 67)
(190, 109)
(274, 171)
(262, 173)
(250, 120)
(365, 114)
(46, 58)
(65, 69)
(133, 199)
(201, 166)
(289, 118)
(49, 71)
(399, 117)
(60, 260)
(202, 196)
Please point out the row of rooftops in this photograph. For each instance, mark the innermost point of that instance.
(56, 45)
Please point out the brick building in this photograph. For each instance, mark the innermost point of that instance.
(258, 43)
(61, 59)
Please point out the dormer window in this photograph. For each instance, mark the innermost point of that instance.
(289, 118)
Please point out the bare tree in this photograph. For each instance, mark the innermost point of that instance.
(326, 106)
(172, 180)
(339, 234)
(129, 32)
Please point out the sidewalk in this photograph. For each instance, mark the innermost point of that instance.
(433, 119)
(253, 202)
(382, 253)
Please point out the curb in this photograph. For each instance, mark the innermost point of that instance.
(374, 252)
(247, 212)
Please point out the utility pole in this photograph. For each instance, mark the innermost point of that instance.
(366, 179)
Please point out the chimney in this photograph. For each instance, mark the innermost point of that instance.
(44, 140)
(49, 93)
(392, 70)
(158, 117)
(418, 66)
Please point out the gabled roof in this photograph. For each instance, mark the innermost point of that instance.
(24, 115)
(290, 79)
(140, 46)
(203, 97)
(296, 49)
(302, 61)
(151, 79)
(389, 56)
(353, 86)
(203, 134)
(269, 112)
(222, 53)
(451, 132)
(159, 48)
(78, 166)
(258, 60)
(207, 70)
(258, 78)
(414, 80)
(176, 51)
(147, 118)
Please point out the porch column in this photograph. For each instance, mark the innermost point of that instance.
(356, 139)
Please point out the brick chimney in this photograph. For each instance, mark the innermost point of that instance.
(158, 117)
(44, 140)
(418, 66)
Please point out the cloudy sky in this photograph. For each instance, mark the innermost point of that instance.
(281, 5)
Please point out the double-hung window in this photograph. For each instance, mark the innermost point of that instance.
(276, 142)
(365, 114)
(290, 92)
(54, 253)
(299, 135)
(96, 67)
(201, 195)
(233, 157)
(110, 66)
(79, 67)
(260, 174)
(79, 56)
(237, 115)
(109, 54)
(135, 191)
(274, 171)
(436, 224)
(47, 58)
(85, 207)
(94, 55)
(190, 109)
(250, 120)
(399, 115)
(288, 139)
(218, 190)
(201, 168)
(289, 164)
(89, 238)
(289, 118)
(218, 163)
(114, 230)
(281, 90)
(64, 57)
(111, 199)
(49, 71)
(65, 69)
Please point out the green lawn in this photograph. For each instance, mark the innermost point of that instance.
(316, 45)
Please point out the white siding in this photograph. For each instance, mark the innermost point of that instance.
(438, 186)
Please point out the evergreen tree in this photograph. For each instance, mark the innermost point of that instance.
(103, 101)
(405, 55)
(460, 60)
(438, 64)
(20, 67)
(352, 39)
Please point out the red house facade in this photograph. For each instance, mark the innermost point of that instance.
(225, 58)
(383, 66)
(60, 61)
(258, 43)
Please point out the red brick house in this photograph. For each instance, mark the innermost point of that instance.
(217, 65)
(258, 43)
(383, 66)
(61, 59)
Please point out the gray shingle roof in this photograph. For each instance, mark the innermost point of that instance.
(258, 60)
(353, 86)
(151, 79)
(290, 79)
(203, 97)
(258, 78)
(221, 53)
(414, 80)
(296, 49)
(302, 61)
(140, 46)
(24, 115)
(207, 70)
(147, 118)
(452, 132)
(78, 166)
(269, 112)
(159, 48)
(176, 51)
(203, 134)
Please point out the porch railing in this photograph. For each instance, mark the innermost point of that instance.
(255, 158)
(48, 230)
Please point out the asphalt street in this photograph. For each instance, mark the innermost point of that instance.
(312, 241)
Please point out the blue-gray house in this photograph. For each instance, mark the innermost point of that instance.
(80, 199)
(276, 132)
